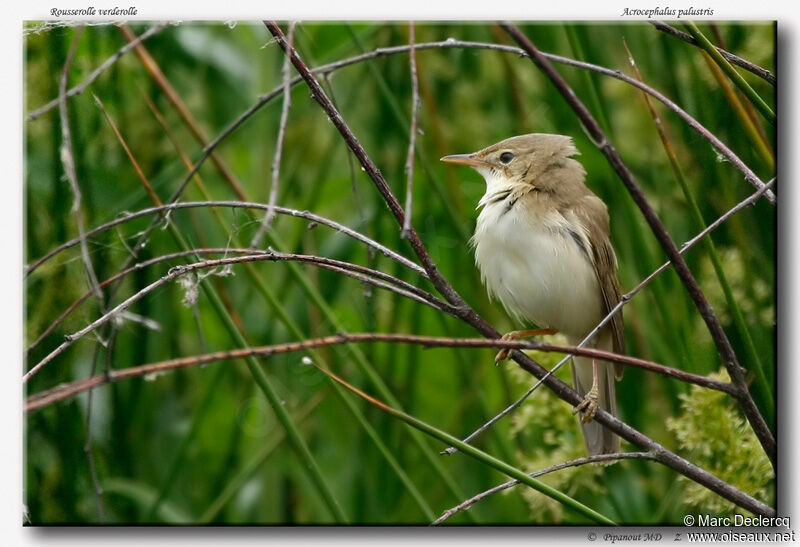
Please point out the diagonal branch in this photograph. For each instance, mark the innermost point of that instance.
(736, 372)
(467, 314)
(376, 277)
(276, 161)
(71, 389)
(319, 95)
(78, 89)
(466, 504)
(744, 63)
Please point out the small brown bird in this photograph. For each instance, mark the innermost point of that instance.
(543, 246)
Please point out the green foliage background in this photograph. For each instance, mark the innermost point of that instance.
(204, 440)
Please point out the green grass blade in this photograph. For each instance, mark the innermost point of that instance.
(478, 454)
(732, 73)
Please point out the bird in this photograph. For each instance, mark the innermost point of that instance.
(542, 243)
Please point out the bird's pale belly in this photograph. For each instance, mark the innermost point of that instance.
(537, 271)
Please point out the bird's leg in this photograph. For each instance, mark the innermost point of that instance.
(519, 335)
(589, 404)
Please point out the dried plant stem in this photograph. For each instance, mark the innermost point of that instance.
(80, 88)
(68, 390)
(234, 204)
(737, 79)
(142, 178)
(372, 277)
(745, 64)
(276, 161)
(729, 359)
(68, 160)
(756, 134)
(158, 76)
(412, 56)
(466, 504)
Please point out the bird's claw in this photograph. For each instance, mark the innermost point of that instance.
(503, 354)
(587, 407)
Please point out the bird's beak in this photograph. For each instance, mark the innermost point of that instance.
(465, 159)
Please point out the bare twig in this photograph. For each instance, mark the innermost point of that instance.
(466, 504)
(469, 315)
(276, 161)
(78, 89)
(426, 341)
(158, 76)
(142, 178)
(412, 56)
(745, 64)
(361, 273)
(68, 160)
(732, 73)
(234, 204)
(729, 359)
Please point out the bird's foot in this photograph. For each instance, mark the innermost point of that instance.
(587, 407)
(503, 354)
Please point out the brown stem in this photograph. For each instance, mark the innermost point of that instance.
(466, 504)
(68, 390)
(744, 63)
(161, 210)
(78, 89)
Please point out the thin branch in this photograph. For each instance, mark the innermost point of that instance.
(467, 314)
(67, 158)
(234, 204)
(358, 272)
(729, 359)
(744, 63)
(466, 504)
(78, 89)
(64, 391)
(412, 56)
(318, 94)
(142, 177)
(276, 161)
(737, 78)
(174, 97)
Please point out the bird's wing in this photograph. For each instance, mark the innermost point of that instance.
(594, 215)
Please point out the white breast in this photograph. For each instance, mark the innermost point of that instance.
(536, 268)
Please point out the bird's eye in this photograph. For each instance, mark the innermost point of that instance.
(506, 157)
